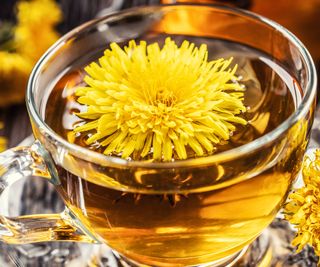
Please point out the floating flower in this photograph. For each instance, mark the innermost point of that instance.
(143, 99)
(303, 209)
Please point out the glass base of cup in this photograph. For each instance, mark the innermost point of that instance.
(225, 262)
(272, 248)
(258, 254)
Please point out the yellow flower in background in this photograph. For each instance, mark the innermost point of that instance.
(35, 12)
(14, 73)
(303, 208)
(145, 99)
(3, 141)
(33, 35)
(3, 144)
(35, 31)
(13, 64)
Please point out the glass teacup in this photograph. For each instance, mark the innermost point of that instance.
(202, 211)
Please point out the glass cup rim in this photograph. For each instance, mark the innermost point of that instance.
(262, 141)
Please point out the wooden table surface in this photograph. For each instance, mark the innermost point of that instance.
(17, 124)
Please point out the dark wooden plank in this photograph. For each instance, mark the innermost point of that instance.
(17, 124)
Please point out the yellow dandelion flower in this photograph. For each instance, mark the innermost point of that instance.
(303, 209)
(35, 31)
(33, 35)
(3, 141)
(143, 99)
(3, 144)
(37, 12)
(14, 73)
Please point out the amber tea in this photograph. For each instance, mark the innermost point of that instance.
(188, 228)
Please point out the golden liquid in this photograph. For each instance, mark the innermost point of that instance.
(186, 229)
(177, 230)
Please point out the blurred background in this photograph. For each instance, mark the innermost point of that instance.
(28, 28)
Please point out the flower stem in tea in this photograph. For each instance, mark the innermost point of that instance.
(144, 100)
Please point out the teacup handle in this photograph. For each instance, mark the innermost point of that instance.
(20, 162)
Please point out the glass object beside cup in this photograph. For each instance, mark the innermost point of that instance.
(231, 197)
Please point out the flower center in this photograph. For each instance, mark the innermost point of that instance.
(165, 97)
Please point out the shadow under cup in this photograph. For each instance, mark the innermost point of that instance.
(187, 212)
